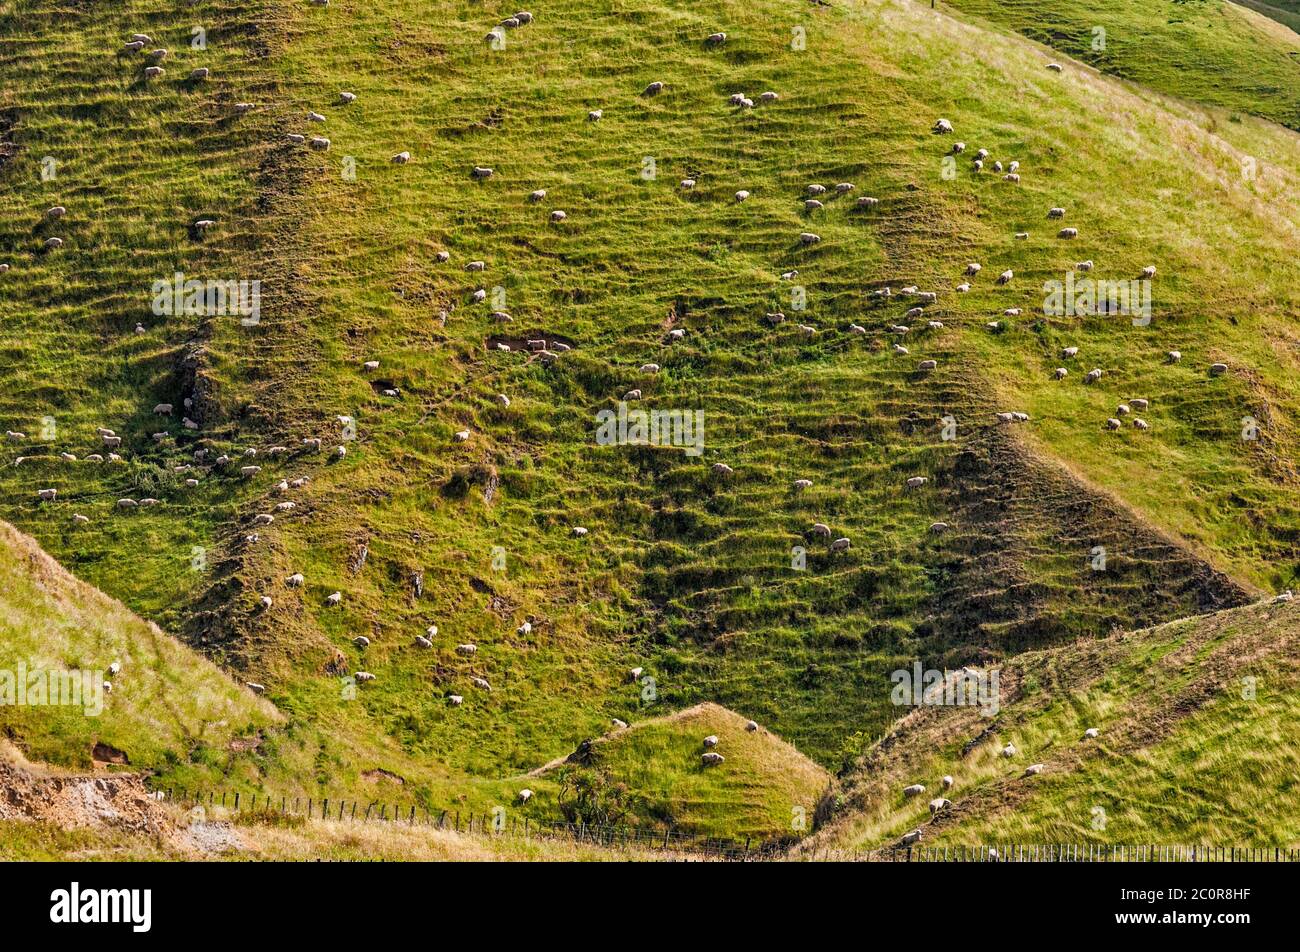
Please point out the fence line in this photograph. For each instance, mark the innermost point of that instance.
(622, 836)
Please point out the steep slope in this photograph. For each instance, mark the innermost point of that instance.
(58, 639)
(1197, 744)
(687, 572)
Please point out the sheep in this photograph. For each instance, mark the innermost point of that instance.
(801, 484)
(249, 471)
(455, 700)
(927, 365)
(938, 804)
(994, 325)
(361, 641)
(1060, 373)
(423, 642)
(934, 325)
(1140, 424)
(153, 72)
(524, 17)
(68, 457)
(1285, 596)
(482, 172)
(1149, 272)
(295, 580)
(79, 520)
(711, 740)
(1083, 266)
(973, 268)
(135, 46)
(938, 527)
(1091, 733)
(579, 531)
(126, 504)
(266, 602)
(769, 96)
(914, 312)
(466, 649)
(525, 795)
(1173, 356)
(1068, 233)
(916, 482)
(840, 545)
(808, 238)
(963, 288)
(1056, 213)
(401, 158)
(912, 837)
(978, 165)
(148, 501)
(199, 74)
(997, 166)
(947, 782)
(1070, 352)
(1033, 770)
(595, 115)
(1054, 67)
(899, 329)
(319, 144)
(312, 443)
(1011, 312)
(1012, 177)
(1006, 276)
(942, 127)
(722, 469)
(634, 675)
(47, 495)
(243, 107)
(364, 677)
(255, 687)
(479, 296)
(1113, 424)
(14, 436)
(481, 684)
(926, 297)
(867, 201)
(715, 39)
(203, 224)
(654, 89)
(649, 368)
(812, 205)
(901, 350)
(461, 436)
(857, 329)
(558, 216)
(1218, 369)
(618, 723)
(52, 243)
(432, 631)
(159, 54)
(742, 195)
(94, 458)
(711, 759)
(1092, 376)
(346, 98)
(334, 598)
(1009, 750)
(677, 333)
(1013, 167)
(1122, 409)
(1021, 236)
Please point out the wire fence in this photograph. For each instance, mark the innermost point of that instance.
(691, 845)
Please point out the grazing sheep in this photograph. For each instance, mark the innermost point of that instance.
(1011, 177)
(1022, 236)
(978, 165)
(525, 795)
(1068, 233)
(1149, 271)
(1083, 266)
(334, 598)
(1113, 424)
(481, 684)
(1009, 750)
(135, 46)
(455, 700)
(927, 365)
(912, 837)
(482, 172)
(1056, 213)
(126, 504)
(808, 238)
(595, 115)
(461, 436)
(53, 243)
(423, 642)
(632, 395)
(867, 201)
(947, 782)
(295, 580)
(1060, 373)
(79, 519)
(1174, 356)
(1006, 276)
(715, 39)
(1218, 369)
(769, 96)
(346, 98)
(963, 288)
(801, 484)
(916, 482)
(265, 602)
(1091, 733)
(201, 73)
(524, 629)
(840, 545)
(579, 531)
(857, 329)
(994, 325)
(677, 333)
(1122, 409)
(1011, 312)
(812, 205)
(653, 89)
(938, 804)
(1033, 770)
(973, 268)
(711, 759)
(243, 107)
(319, 143)
(815, 189)
(255, 687)
(364, 677)
(938, 527)
(466, 649)
(649, 368)
(1054, 67)
(153, 72)
(479, 296)
(361, 641)
(250, 470)
(742, 195)
(942, 127)
(1092, 376)
(401, 158)
(900, 349)
(47, 495)
(618, 724)
(711, 740)
(1140, 424)
(722, 469)
(981, 155)
(1070, 352)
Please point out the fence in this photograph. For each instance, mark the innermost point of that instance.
(685, 844)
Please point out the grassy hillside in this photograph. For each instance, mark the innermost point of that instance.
(1196, 724)
(684, 572)
(1217, 52)
(167, 704)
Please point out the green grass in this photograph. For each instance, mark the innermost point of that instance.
(683, 573)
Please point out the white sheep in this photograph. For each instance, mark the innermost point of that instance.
(947, 782)
(1009, 750)
(715, 39)
(1068, 233)
(800, 484)
(1218, 369)
(295, 580)
(595, 115)
(927, 365)
(912, 837)
(938, 804)
(334, 598)
(525, 795)
(867, 201)
(1033, 770)
(1092, 376)
(916, 482)
(808, 238)
(401, 158)
(722, 469)
(938, 527)
(1006, 276)
(482, 172)
(47, 495)
(653, 89)
(711, 759)
(1060, 373)
(711, 740)
(1091, 733)
(1113, 424)
(742, 195)
(942, 127)
(558, 216)
(841, 544)
(466, 649)
(1174, 356)
(455, 700)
